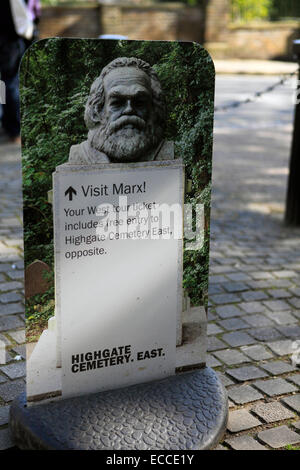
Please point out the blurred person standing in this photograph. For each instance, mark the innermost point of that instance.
(16, 26)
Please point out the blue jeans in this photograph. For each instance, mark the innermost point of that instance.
(11, 51)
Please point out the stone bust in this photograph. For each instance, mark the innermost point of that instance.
(125, 115)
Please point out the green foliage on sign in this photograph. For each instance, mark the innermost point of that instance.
(55, 79)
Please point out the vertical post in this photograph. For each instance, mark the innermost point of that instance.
(292, 211)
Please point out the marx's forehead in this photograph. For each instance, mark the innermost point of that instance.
(126, 76)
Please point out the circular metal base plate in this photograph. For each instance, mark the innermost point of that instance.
(187, 411)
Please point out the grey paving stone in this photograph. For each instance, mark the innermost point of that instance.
(4, 340)
(239, 277)
(282, 318)
(279, 293)
(18, 336)
(224, 260)
(2, 379)
(261, 275)
(296, 425)
(16, 275)
(211, 361)
(295, 302)
(272, 412)
(258, 320)
(257, 352)
(10, 309)
(235, 286)
(291, 331)
(279, 437)
(244, 443)
(224, 298)
(281, 348)
(238, 338)
(213, 344)
(277, 367)
(4, 415)
(216, 269)
(7, 286)
(5, 439)
(266, 334)
(293, 402)
(260, 284)
(231, 356)
(295, 291)
(274, 387)
(10, 322)
(214, 289)
(296, 313)
(213, 329)
(252, 307)
(242, 394)
(10, 297)
(4, 267)
(14, 370)
(246, 373)
(19, 351)
(217, 279)
(226, 381)
(10, 390)
(276, 305)
(285, 274)
(240, 420)
(228, 311)
(254, 295)
(295, 378)
(233, 324)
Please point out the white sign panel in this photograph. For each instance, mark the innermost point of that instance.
(118, 273)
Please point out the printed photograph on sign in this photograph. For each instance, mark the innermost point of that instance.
(116, 157)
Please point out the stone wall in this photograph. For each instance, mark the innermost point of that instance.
(157, 22)
(75, 21)
(264, 40)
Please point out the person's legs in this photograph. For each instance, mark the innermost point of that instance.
(10, 55)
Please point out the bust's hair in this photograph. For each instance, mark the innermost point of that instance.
(95, 102)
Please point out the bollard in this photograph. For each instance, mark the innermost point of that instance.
(292, 211)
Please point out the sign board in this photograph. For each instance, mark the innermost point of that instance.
(119, 273)
(116, 155)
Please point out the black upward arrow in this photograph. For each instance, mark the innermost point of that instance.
(70, 191)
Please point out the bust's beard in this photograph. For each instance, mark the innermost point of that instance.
(126, 144)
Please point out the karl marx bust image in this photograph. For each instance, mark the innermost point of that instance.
(125, 115)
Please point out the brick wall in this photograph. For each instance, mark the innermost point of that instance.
(136, 21)
(160, 21)
(264, 41)
(70, 21)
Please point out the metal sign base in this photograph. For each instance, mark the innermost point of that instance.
(187, 411)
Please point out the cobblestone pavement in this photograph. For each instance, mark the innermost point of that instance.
(254, 294)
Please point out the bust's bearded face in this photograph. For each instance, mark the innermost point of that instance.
(127, 129)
